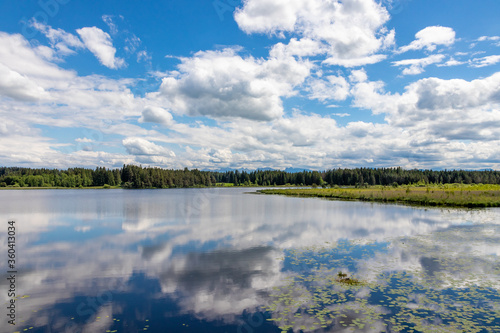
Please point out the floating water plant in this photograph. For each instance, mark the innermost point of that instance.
(446, 292)
(344, 279)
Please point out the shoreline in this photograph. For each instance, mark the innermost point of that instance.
(8, 188)
(442, 195)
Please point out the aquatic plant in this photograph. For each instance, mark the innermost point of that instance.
(344, 279)
(444, 294)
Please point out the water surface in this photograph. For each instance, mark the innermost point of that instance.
(222, 260)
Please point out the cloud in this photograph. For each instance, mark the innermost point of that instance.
(62, 41)
(355, 62)
(19, 56)
(429, 123)
(331, 88)
(108, 19)
(19, 87)
(157, 115)
(431, 94)
(139, 146)
(132, 43)
(485, 61)
(304, 47)
(456, 94)
(488, 38)
(425, 125)
(25, 148)
(84, 140)
(445, 111)
(349, 32)
(222, 84)
(221, 155)
(100, 44)
(358, 76)
(429, 38)
(452, 62)
(144, 56)
(417, 66)
(303, 140)
(35, 91)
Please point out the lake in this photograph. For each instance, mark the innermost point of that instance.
(224, 260)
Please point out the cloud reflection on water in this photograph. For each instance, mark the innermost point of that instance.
(215, 253)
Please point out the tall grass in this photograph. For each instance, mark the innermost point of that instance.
(450, 195)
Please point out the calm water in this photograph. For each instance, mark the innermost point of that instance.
(222, 260)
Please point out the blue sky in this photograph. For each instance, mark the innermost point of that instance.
(312, 84)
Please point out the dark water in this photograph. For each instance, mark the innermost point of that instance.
(220, 260)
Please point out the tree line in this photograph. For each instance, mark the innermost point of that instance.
(133, 176)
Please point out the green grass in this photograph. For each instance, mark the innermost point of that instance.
(449, 195)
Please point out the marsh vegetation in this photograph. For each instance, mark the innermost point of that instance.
(450, 195)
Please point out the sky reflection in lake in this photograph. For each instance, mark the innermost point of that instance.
(220, 260)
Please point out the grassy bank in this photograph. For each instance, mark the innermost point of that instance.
(449, 195)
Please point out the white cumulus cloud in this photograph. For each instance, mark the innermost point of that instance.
(140, 146)
(350, 32)
(355, 62)
(430, 37)
(304, 47)
(153, 114)
(17, 54)
(100, 44)
(330, 88)
(440, 109)
(17, 86)
(222, 84)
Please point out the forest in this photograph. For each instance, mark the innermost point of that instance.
(133, 176)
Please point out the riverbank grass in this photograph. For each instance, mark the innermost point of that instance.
(448, 195)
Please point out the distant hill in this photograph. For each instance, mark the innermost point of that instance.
(295, 170)
(289, 170)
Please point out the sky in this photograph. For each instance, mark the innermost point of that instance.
(215, 84)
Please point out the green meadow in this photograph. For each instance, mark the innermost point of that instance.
(447, 195)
